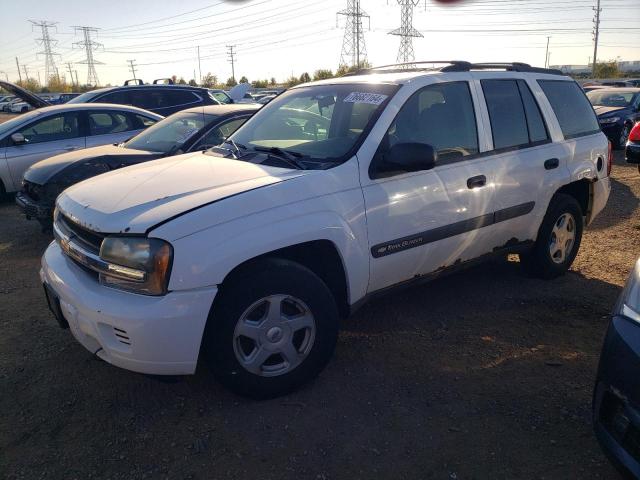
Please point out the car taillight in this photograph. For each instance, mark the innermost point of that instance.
(634, 135)
(609, 159)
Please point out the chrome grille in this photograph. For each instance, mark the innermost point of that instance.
(91, 241)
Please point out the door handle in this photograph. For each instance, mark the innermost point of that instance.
(476, 182)
(551, 164)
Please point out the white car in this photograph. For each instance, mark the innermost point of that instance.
(20, 107)
(335, 191)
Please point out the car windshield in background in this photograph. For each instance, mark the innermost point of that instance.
(170, 134)
(220, 96)
(610, 98)
(84, 98)
(322, 123)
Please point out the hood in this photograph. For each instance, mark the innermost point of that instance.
(603, 110)
(25, 95)
(135, 199)
(111, 155)
(238, 92)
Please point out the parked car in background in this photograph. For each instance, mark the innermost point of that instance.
(632, 149)
(263, 100)
(330, 194)
(618, 109)
(48, 131)
(190, 130)
(590, 88)
(20, 107)
(161, 98)
(6, 106)
(616, 399)
(58, 98)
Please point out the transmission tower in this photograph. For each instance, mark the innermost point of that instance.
(47, 43)
(406, 32)
(354, 49)
(89, 46)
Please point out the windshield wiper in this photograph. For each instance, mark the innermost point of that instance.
(237, 147)
(289, 157)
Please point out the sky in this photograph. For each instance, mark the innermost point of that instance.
(278, 38)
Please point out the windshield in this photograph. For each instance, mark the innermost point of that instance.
(220, 96)
(170, 134)
(321, 123)
(610, 98)
(84, 98)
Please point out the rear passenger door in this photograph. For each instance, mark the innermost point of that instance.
(527, 166)
(108, 127)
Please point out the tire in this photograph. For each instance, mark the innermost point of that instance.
(621, 142)
(243, 306)
(565, 213)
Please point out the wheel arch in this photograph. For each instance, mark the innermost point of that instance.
(322, 257)
(582, 191)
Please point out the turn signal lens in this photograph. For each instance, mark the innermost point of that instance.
(634, 135)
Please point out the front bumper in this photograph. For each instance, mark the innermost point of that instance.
(616, 405)
(152, 335)
(632, 152)
(33, 209)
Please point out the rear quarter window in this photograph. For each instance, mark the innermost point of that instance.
(571, 107)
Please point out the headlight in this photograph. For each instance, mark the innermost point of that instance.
(609, 120)
(629, 302)
(137, 264)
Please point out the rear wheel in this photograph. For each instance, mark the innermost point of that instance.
(558, 239)
(273, 328)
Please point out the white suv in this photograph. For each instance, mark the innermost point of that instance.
(253, 251)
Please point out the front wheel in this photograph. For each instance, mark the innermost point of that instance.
(558, 239)
(273, 328)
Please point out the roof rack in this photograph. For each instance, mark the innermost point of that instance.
(454, 66)
(134, 81)
(163, 81)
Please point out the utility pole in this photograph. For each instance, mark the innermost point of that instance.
(596, 34)
(39, 81)
(47, 44)
(199, 67)
(406, 32)
(19, 74)
(132, 68)
(26, 73)
(546, 54)
(77, 81)
(89, 46)
(232, 59)
(354, 50)
(71, 74)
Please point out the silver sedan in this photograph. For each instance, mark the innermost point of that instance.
(49, 131)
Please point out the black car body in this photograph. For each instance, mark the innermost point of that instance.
(618, 109)
(187, 131)
(163, 99)
(616, 399)
(632, 150)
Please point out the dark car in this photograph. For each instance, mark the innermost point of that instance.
(163, 99)
(616, 399)
(632, 150)
(618, 109)
(187, 131)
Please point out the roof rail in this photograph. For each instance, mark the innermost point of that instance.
(134, 81)
(454, 66)
(163, 81)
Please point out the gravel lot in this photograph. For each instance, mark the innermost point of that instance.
(483, 374)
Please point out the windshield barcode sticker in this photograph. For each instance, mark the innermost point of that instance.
(371, 98)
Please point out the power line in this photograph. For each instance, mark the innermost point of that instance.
(89, 46)
(353, 44)
(46, 41)
(406, 32)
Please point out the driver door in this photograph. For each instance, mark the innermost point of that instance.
(45, 137)
(419, 222)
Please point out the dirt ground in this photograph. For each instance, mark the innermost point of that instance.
(483, 374)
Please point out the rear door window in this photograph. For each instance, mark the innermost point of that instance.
(104, 123)
(506, 112)
(119, 97)
(573, 111)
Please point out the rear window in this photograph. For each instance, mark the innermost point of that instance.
(573, 111)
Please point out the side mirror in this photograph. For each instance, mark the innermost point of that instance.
(18, 139)
(408, 157)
